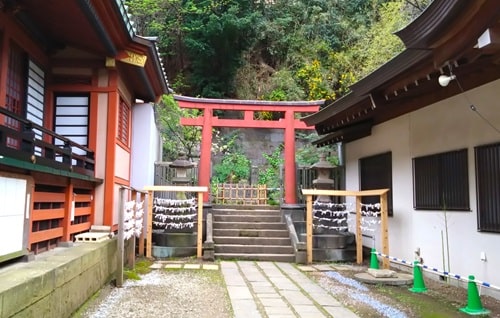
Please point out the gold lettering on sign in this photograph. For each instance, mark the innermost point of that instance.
(134, 58)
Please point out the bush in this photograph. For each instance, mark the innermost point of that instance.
(233, 168)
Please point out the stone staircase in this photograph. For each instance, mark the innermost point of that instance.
(251, 234)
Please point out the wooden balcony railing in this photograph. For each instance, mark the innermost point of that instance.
(24, 140)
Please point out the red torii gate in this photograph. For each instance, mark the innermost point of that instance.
(289, 123)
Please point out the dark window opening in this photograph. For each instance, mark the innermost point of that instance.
(441, 181)
(376, 173)
(487, 159)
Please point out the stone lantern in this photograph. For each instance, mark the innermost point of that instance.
(182, 175)
(181, 167)
(323, 181)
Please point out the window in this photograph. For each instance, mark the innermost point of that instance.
(488, 185)
(72, 119)
(123, 122)
(376, 173)
(35, 99)
(15, 90)
(441, 182)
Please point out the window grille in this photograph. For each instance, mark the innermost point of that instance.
(441, 182)
(376, 173)
(123, 123)
(487, 159)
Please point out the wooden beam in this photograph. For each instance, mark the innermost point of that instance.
(141, 237)
(149, 233)
(46, 235)
(47, 214)
(384, 229)
(359, 234)
(174, 189)
(343, 193)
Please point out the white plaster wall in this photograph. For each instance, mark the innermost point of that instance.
(146, 146)
(122, 163)
(444, 126)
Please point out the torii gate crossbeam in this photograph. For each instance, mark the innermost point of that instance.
(289, 123)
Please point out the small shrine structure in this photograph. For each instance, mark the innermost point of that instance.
(290, 122)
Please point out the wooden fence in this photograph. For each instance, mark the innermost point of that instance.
(245, 194)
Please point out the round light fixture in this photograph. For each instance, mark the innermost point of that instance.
(444, 80)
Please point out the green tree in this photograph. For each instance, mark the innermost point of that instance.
(177, 138)
(216, 34)
(309, 154)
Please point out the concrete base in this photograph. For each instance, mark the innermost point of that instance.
(175, 239)
(300, 257)
(297, 212)
(28, 257)
(331, 241)
(65, 244)
(334, 255)
(208, 251)
(166, 251)
(399, 279)
(382, 273)
(56, 283)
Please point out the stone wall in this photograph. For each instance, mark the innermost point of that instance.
(253, 142)
(58, 283)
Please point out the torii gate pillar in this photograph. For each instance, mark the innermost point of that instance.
(289, 159)
(206, 153)
(289, 123)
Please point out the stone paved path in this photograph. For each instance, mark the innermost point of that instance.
(272, 289)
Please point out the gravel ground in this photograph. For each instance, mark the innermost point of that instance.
(190, 293)
(441, 300)
(161, 293)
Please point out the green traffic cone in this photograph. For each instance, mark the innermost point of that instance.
(474, 306)
(418, 279)
(373, 259)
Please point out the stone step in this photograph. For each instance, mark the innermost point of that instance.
(249, 225)
(253, 249)
(257, 257)
(245, 207)
(252, 240)
(250, 232)
(248, 218)
(246, 212)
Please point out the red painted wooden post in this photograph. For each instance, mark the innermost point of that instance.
(290, 182)
(206, 152)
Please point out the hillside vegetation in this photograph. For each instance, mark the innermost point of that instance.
(272, 49)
